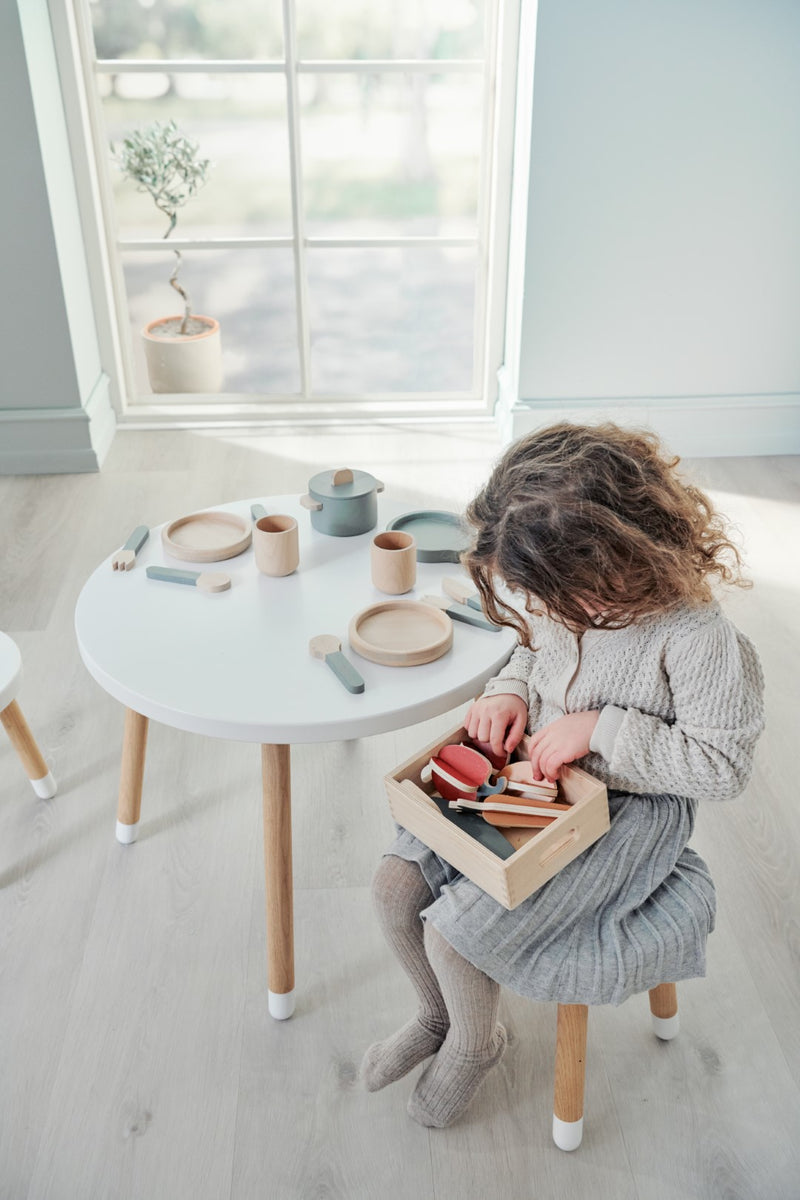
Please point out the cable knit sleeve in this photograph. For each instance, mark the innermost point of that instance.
(515, 680)
(717, 686)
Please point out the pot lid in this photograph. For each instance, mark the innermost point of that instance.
(342, 484)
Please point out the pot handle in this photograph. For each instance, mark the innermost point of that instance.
(379, 486)
(345, 475)
(312, 505)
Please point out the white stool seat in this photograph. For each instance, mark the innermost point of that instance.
(10, 670)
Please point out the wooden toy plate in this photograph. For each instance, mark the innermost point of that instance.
(207, 536)
(440, 536)
(398, 633)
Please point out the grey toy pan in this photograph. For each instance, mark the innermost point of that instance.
(440, 536)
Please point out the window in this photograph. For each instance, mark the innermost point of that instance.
(348, 237)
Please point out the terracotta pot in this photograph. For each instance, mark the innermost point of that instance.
(183, 363)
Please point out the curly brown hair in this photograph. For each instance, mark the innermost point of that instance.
(576, 517)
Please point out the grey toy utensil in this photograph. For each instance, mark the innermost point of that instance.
(125, 558)
(328, 648)
(257, 511)
(205, 581)
(460, 612)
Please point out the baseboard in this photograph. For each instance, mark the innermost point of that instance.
(692, 426)
(58, 441)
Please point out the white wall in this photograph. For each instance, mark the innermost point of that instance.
(55, 411)
(661, 258)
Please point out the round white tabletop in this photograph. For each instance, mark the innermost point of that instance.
(236, 664)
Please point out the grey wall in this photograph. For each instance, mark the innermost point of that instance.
(38, 364)
(662, 252)
(55, 410)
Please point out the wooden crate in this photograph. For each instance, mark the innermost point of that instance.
(538, 853)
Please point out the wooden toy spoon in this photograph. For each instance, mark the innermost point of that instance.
(329, 649)
(205, 581)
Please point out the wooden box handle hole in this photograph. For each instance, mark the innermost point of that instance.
(559, 846)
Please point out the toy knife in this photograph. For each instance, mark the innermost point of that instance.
(460, 612)
(463, 592)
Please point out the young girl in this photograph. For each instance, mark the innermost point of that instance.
(625, 665)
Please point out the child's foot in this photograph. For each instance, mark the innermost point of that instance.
(395, 1056)
(448, 1084)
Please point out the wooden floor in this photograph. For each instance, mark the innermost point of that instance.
(138, 1061)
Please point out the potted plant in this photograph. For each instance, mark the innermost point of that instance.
(183, 352)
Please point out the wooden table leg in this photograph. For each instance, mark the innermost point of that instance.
(277, 796)
(23, 741)
(134, 745)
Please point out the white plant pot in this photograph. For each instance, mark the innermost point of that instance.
(190, 362)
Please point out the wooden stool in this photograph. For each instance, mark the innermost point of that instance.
(15, 724)
(571, 1059)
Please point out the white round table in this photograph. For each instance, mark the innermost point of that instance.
(236, 665)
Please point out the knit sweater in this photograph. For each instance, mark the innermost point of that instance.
(680, 696)
(680, 699)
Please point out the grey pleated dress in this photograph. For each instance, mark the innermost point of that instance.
(681, 701)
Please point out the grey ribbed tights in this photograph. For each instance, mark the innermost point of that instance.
(457, 1015)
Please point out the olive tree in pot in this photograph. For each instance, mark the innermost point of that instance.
(183, 352)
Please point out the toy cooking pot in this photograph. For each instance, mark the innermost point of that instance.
(343, 503)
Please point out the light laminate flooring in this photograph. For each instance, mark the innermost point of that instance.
(137, 1057)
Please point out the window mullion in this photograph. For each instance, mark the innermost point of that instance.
(484, 196)
(298, 213)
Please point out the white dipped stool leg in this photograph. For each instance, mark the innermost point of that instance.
(567, 1135)
(23, 741)
(45, 787)
(664, 1011)
(570, 1075)
(666, 1028)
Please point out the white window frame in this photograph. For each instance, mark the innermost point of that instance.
(75, 50)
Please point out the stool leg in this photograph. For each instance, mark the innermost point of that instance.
(570, 1073)
(24, 743)
(664, 1011)
(134, 745)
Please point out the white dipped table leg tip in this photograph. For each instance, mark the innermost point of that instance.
(127, 833)
(281, 1005)
(567, 1134)
(44, 787)
(666, 1027)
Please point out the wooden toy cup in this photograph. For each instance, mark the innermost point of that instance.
(394, 562)
(276, 545)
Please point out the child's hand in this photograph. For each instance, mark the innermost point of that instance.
(499, 720)
(562, 741)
